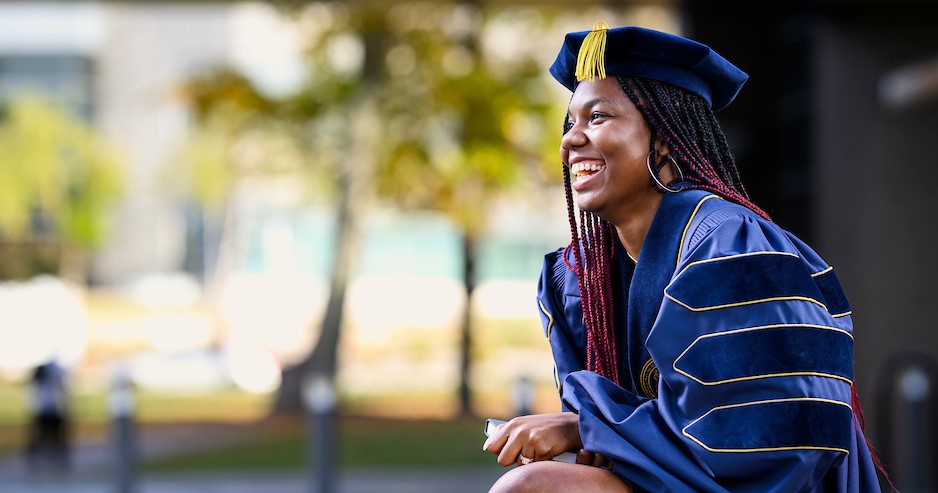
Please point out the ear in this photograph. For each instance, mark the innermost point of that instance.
(663, 148)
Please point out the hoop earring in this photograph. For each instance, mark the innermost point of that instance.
(658, 180)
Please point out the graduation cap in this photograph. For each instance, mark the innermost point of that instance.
(640, 52)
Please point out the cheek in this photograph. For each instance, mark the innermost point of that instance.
(630, 150)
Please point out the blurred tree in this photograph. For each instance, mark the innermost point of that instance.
(403, 104)
(402, 101)
(461, 123)
(338, 112)
(238, 135)
(57, 180)
(330, 124)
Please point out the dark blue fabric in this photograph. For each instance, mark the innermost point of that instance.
(640, 52)
(803, 363)
(654, 270)
(833, 295)
(743, 279)
(765, 426)
(753, 353)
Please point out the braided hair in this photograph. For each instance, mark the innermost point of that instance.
(686, 123)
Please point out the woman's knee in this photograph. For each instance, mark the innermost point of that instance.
(523, 479)
(550, 476)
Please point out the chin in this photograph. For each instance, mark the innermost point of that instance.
(589, 206)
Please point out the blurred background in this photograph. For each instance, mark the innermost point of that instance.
(234, 225)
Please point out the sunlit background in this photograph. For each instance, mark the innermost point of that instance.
(184, 187)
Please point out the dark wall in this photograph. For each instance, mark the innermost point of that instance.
(833, 162)
(877, 166)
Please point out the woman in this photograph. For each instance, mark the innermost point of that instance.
(698, 346)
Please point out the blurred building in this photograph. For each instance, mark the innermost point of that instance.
(835, 133)
(120, 66)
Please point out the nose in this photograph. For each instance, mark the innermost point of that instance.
(573, 138)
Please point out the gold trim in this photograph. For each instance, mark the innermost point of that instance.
(680, 246)
(741, 303)
(844, 314)
(825, 271)
(550, 318)
(756, 377)
(736, 255)
(557, 380)
(766, 449)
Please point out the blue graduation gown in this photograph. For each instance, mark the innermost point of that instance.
(736, 344)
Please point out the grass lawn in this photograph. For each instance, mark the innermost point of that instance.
(364, 442)
(232, 433)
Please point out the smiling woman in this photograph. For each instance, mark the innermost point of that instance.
(697, 345)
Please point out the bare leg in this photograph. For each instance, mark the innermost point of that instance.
(552, 476)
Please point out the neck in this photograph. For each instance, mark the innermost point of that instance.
(633, 227)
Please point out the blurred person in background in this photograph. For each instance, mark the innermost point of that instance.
(48, 444)
(698, 346)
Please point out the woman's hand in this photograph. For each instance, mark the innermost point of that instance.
(592, 459)
(536, 437)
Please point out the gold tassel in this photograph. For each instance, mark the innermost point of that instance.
(591, 60)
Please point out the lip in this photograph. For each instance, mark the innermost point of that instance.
(580, 159)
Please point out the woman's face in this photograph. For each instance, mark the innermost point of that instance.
(605, 149)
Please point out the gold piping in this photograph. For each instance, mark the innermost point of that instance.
(766, 449)
(755, 377)
(680, 246)
(741, 303)
(550, 318)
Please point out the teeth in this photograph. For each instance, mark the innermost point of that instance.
(585, 168)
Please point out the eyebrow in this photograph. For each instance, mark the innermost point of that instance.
(593, 102)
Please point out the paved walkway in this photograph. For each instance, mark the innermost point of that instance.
(93, 471)
(359, 481)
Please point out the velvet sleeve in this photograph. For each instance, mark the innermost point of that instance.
(558, 303)
(754, 346)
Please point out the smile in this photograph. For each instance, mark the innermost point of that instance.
(586, 169)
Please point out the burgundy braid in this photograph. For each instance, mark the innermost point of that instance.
(593, 252)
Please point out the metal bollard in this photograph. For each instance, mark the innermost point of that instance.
(121, 405)
(906, 427)
(320, 397)
(914, 387)
(523, 395)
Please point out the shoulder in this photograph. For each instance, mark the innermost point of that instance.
(556, 276)
(752, 255)
(723, 228)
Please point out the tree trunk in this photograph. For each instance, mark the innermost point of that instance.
(323, 359)
(364, 130)
(465, 339)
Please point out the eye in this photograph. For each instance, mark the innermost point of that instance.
(567, 125)
(596, 115)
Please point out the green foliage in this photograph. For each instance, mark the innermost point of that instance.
(461, 129)
(238, 134)
(54, 166)
(459, 125)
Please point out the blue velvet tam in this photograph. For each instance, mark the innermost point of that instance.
(640, 52)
